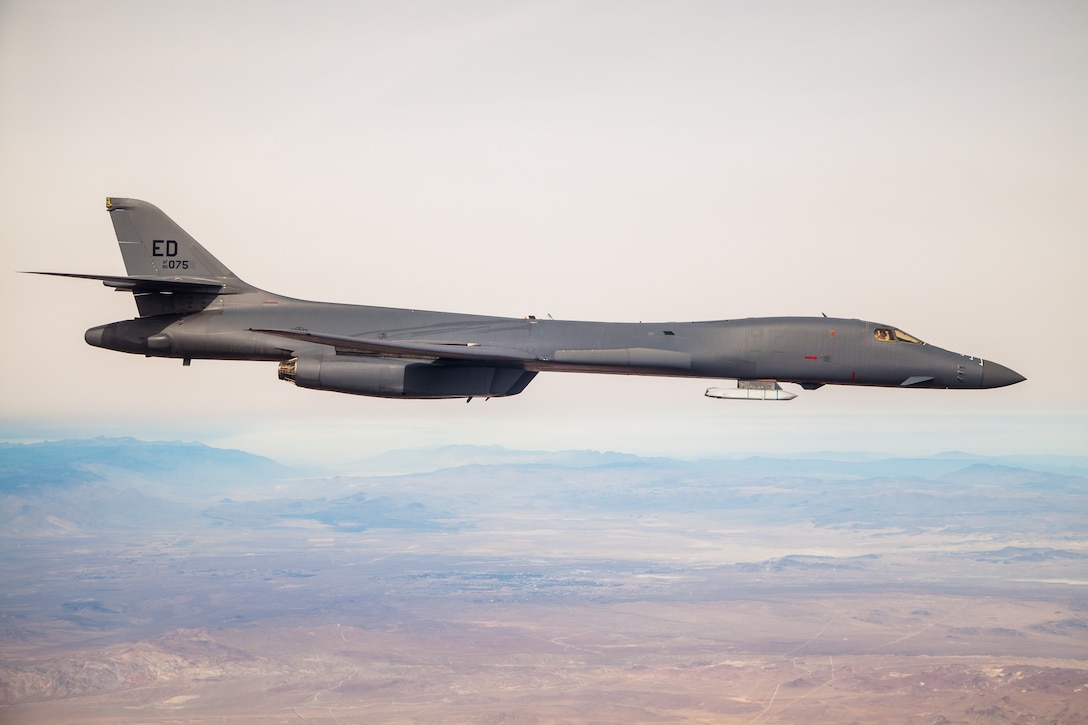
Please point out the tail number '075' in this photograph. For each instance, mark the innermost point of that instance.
(168, 248)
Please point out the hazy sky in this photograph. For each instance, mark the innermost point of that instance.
(923, 164)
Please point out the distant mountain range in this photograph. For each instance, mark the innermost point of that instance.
(418, 460)
(82, 486)
(96, 460)
(835, 463)
(75, 486)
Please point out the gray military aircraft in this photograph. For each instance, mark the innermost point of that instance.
(191, 306)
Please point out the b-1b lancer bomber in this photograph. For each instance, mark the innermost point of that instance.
(192, 307)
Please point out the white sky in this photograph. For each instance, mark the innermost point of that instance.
(923, 164)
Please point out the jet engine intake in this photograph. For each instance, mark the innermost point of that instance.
(394, 378)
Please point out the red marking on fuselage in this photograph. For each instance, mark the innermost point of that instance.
(853, 374)
(811, 357)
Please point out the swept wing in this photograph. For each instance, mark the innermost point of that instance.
(450, 351)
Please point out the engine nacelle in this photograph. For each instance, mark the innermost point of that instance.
(387, 378)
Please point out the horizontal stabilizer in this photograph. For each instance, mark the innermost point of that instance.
(454, 351)
(151, 283)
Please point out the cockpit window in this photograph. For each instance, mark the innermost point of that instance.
(883, 334)
(904, 337)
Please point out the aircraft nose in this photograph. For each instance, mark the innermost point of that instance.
(998, 376)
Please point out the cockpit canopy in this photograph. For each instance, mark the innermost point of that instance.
(886, 334)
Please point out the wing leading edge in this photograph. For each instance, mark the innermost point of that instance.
(449, 351)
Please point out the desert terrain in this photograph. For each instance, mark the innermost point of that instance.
(549, 594)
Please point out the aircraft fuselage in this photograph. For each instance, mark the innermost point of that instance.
(192, 307)
(806, 350)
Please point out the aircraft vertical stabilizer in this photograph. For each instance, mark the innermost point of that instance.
(153, 244)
